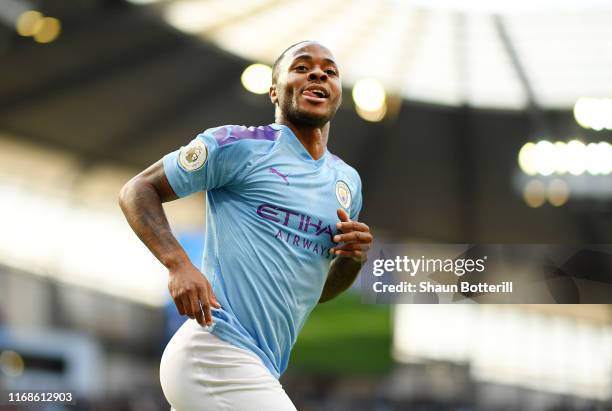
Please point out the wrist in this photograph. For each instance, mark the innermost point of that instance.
(175, 261)
(352, 260)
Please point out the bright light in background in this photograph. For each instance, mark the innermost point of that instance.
(370, 99)
(592, 152)
(373, 116)
(43, 29)
(189, 16)
(577, 160)
(80, 235)
(76, 244)
(604, 157)
(11, 363)
(48, 29)
(558, 192)
(546, 158)
(526, 159)
(27, 23)
(257, 78)
(509, 346)
(534, 193)
(369, 95)
(562, 157)
(595, 113)
(600, 158)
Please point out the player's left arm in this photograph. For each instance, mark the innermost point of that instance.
(354, 242)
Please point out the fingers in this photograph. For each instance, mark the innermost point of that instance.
(352, 226)
(205, 308)
(342, 215)
(358, 250)
(194, 299)
(186, 305)
(196, 311)
(357, 236)
(179, 305)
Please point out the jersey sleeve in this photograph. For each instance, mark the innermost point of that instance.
(357, 200)
(204, 164)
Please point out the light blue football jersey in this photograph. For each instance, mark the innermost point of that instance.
(270, 222)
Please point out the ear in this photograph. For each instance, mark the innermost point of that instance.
(272, 93)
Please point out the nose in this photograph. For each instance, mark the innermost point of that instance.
(317, 74)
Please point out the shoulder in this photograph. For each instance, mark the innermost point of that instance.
(344, 168)
(240, 136)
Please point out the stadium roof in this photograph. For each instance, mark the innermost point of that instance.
(484, 53)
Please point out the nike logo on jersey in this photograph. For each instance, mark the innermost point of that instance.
(281, 175)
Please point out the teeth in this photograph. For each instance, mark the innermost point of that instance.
(317, 92)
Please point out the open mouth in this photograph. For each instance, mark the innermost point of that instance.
(316, 93)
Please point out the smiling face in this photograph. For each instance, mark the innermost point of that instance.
(306, 85)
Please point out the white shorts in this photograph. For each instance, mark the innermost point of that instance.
(201, 372)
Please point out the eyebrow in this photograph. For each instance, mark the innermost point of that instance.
(309, 57)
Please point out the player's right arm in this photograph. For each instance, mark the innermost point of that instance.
(141, 201)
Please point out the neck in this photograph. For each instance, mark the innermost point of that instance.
(313, 138)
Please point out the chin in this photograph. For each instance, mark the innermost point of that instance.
(309, 117)
(314, 119)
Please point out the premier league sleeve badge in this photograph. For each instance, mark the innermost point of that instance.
(193, 156)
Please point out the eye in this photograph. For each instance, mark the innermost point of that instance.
(330, 72)
(301, 68)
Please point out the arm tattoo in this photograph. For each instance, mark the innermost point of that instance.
(141, 202)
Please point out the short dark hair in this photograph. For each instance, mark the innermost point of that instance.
(280, 59)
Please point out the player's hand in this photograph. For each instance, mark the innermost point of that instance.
(192, 293)
(355, 236)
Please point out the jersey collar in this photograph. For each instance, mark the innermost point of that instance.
(291, 139)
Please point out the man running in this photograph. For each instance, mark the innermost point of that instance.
(281, 236)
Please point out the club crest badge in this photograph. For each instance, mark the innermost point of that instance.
(343, 194)
(193, 156)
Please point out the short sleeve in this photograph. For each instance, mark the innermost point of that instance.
(204, 165)
(357, 200)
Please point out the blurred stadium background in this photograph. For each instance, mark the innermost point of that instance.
(477, 121)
